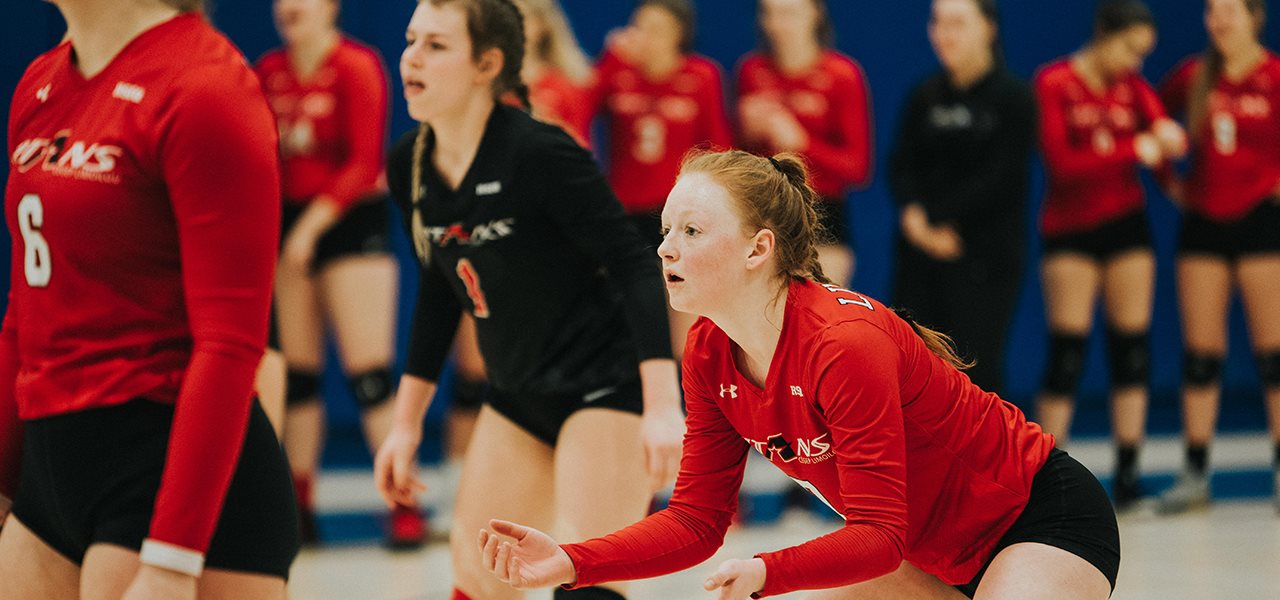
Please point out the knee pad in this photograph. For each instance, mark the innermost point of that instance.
(468, 394)
(1066, 363)
(587, 593)
(1269, 368)
(303, 387)
(372, 388)
(1130, 355)
(1199, 369)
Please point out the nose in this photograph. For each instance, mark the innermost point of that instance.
(667, 250)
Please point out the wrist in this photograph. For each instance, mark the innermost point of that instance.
(170, 557)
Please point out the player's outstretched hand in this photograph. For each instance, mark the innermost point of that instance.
(736, 579)
(533, 560)
(395, 469)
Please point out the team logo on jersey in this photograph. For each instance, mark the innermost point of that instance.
(796, 391)
(460, 235)
(806, 451)
(488, 188)
(42, 94)
(732, 390)
(128, 92)
(65, 157)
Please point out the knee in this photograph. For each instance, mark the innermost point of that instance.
(1200, 369)
(1130, 355)
(1066, 363)
(1269, 368)
(372, 388)
(303, 387)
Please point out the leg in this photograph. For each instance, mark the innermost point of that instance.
(1259, 277)
(1029, 571)
(907, 583)
(510, 478)
(270, 385)
(109, 569)
(301, 328)
(837, 262)
(469, 385)
(1128, 288)
(601, 484)
(1071, 283)
(30, 569)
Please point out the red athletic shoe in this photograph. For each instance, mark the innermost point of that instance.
(407, 528)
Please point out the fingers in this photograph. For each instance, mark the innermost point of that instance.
(502, 562)
(489, 554)
(509, 529)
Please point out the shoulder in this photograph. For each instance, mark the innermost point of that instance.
(1273, 63)
(841, 65)
(1053, 74)
(352, 54)
(703, 67)
(752, 62)
(402, 150)
(40, 71)
(1186, 69)
(704, 343)
(273, 60)
(536, 148)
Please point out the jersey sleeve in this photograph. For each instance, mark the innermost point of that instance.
(1064, 159)
(1148, 102)
(857, 378)
(579, 200)
(1175, 90)
(436, 312)
(848, 158)
(906, 173)
(716, 123)
(362, 116)
(693, 525)
(228, 219)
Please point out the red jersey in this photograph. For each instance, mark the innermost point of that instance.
(923, 465)
(144, 210)
(652, 124)
(333, 125)
(1087, 138)
(558, 100)
(831, 103)
(1236, 160)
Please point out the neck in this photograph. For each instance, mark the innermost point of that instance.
(532, 69)
(457, 138)
(753, 321)
(1086, 65)
(969, 73)
(100, 30)
(660, 66)
(798, 56)
(306, 54)
(1240, 60)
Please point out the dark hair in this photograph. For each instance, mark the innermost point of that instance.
(1210, 70)
(186, 5)
(684, 14)
(1117, 16)
(496, 24)
(824, 30)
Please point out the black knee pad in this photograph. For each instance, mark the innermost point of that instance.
(1269, 368)
(372, 388)
(587, 593)
(468, 394)
(1201, 369)
(303, 387)
(1130, 355)
(1066, 363)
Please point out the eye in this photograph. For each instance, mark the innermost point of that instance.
(663, 231)
(436, 46)
(409, 40)
(690, 231)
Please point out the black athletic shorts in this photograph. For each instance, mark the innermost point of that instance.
(833, 214)
(543, 416)
(91, 477)
(364, 229)
(1068, 509)
(1256, 233)
(1104, 242)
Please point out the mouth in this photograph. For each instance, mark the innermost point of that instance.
(413, 87)
(673, 279)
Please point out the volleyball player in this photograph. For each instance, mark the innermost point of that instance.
(557, 69)
(515, 225)
(1100, 121)
(143, 207)
(1231, 225)
(329, 94)
(939, 483)
(798, 94)
(659, 100)
(959, 173)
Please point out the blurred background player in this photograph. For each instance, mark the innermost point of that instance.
(660, 100)
(1231, 227)
(959, 173)
(556, 69)
(798, 94)
(329, 94)
(1099, 122)
(147, 468)
(514, 223)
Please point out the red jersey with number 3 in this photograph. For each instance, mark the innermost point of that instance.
(333, 123)
(922, 465)
(144, 210)
(830, 101)
(652, 124)
(1087, 136)
(1236, 161)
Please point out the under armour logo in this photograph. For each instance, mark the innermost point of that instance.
(732, 390)
(42, 94)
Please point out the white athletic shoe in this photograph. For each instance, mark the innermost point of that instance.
(1189, 492)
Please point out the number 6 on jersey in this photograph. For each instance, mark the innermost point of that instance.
(36, 260)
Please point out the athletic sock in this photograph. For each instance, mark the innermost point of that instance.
(1198, 458)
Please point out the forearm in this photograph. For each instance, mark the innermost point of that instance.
(659, 375)
(412, 401)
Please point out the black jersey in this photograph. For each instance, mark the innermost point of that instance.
(963, 154)
(535, 245)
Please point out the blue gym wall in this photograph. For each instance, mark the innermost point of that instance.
(888, 38)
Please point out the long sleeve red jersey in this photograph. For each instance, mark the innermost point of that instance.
(143, 205)
(652, 124)
(923, 465)
(1235, 163)
(832, 104)
(333, 124)
(558, 100)
(1087, 137)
